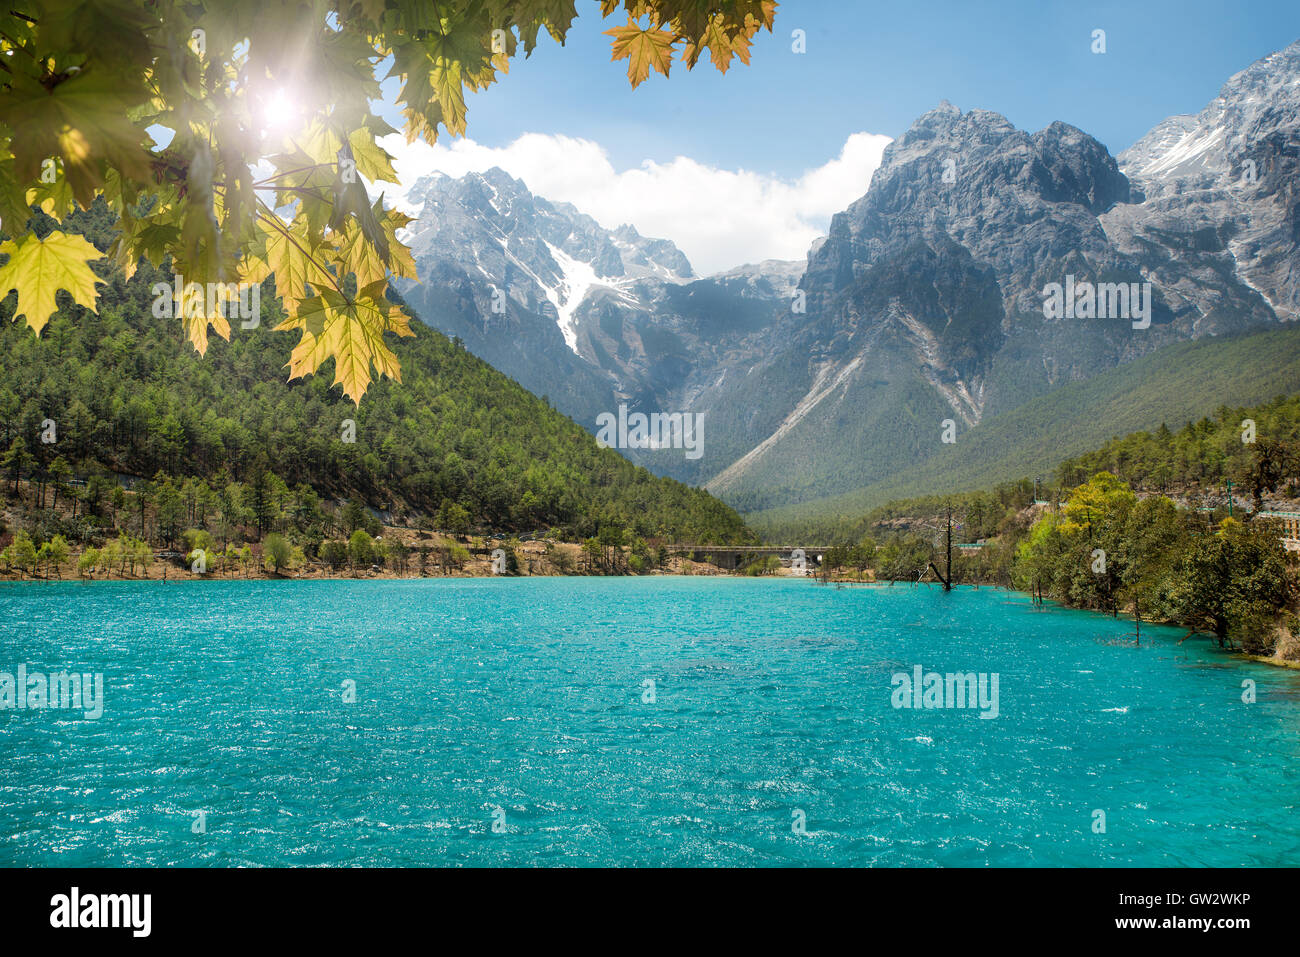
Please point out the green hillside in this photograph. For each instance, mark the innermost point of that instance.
(456, 445)
(1177, 384)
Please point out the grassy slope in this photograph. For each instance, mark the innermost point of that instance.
(1179, 383)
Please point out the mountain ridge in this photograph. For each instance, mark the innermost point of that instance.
(924, 303)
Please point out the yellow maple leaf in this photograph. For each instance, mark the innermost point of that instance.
(203, 305)
(39, 268)
(643, 48)
(354, 253)
(287, 257)
(351, 331)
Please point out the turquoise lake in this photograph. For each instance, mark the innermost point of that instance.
(522, 704)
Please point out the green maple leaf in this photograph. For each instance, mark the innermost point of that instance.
(84, 120)
(38, 269)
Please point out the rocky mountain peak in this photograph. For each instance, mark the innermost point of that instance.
(974, 179)
(1210, 148)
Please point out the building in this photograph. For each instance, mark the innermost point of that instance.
(1289, 523)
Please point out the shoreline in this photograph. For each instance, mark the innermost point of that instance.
(1267, 660)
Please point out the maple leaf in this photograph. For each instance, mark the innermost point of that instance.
(117, 30)
(763, 13)
(643, 48)
(286, 255)
(55, 198)
(529, 19)
(372, 9)
(466, 43)
(84, 121)
(373, 161)
(351, 200)
(13, 199)
(39, 268)
(198, 311)
(351, 331)
(401, 263)
(445, 78)
(715, 38)
(142, 238)
(354, 253)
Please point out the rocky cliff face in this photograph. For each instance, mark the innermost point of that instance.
(1221, 220)
(925, 303)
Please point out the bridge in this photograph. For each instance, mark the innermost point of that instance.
(730, 557)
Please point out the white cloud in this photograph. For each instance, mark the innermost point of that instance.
(719, 218)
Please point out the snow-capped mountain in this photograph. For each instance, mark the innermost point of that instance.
(490, 225)
(924, 303)
(926, 300)
(1220, 224)
(587, 316)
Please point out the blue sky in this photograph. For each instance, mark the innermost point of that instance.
(875, 66)
(752, 165)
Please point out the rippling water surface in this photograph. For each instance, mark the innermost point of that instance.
(521, 702)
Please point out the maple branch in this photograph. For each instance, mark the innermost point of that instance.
(312, 191)
(290, 172)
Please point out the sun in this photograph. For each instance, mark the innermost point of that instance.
(281, 112)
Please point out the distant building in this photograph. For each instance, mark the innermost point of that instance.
(1290, 528)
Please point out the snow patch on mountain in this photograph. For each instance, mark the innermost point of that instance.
(577, 279)
(1191, 149)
